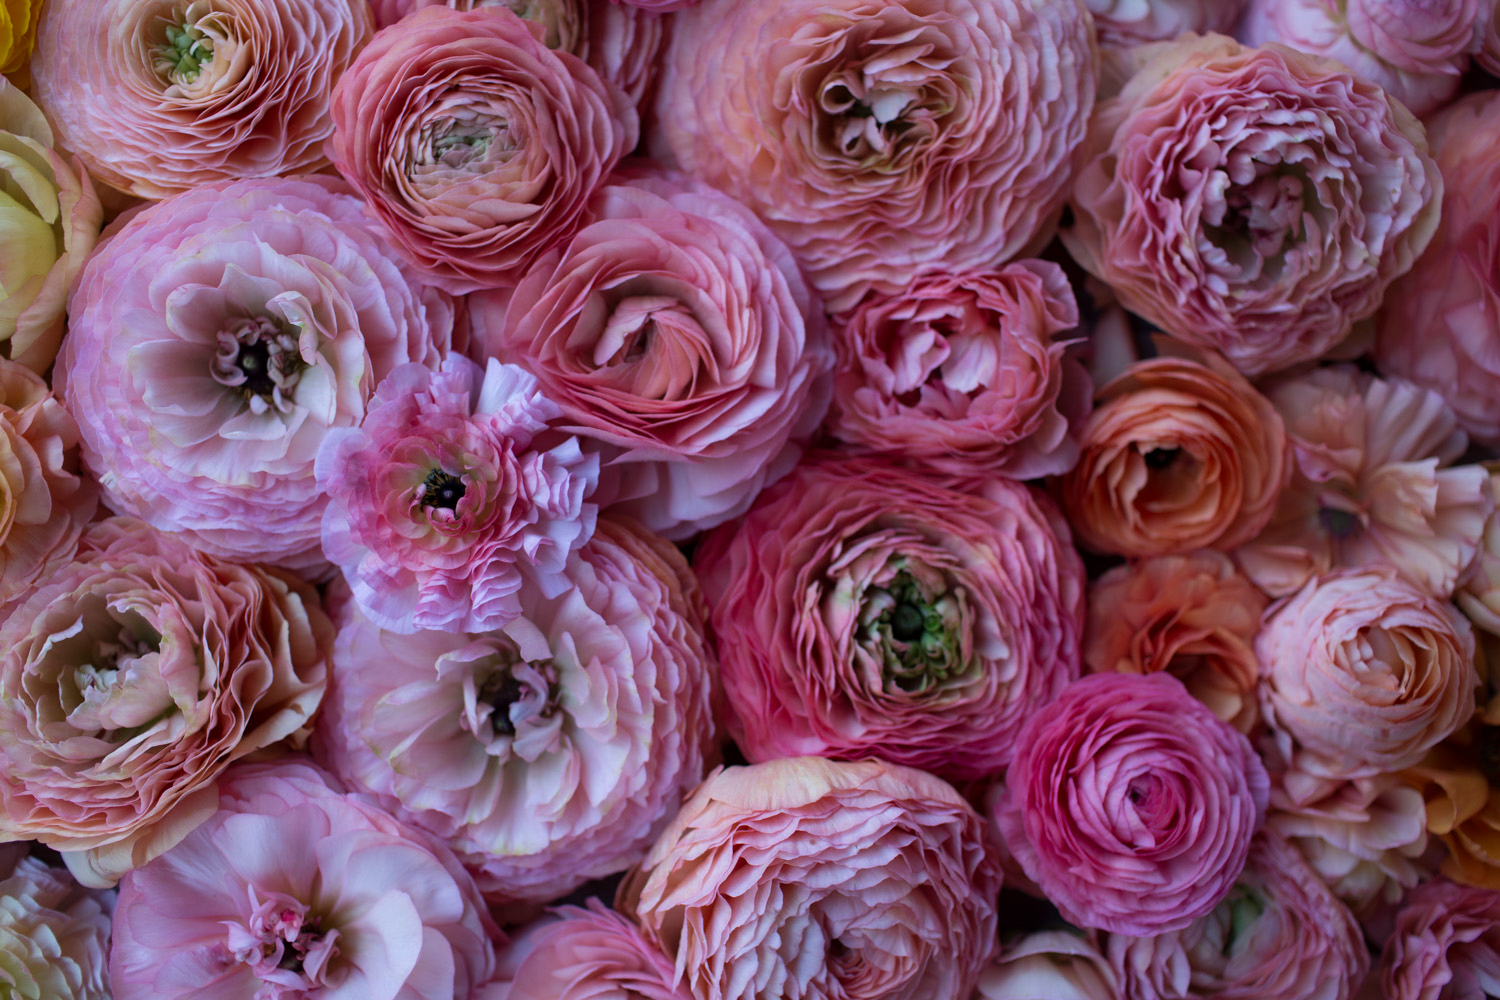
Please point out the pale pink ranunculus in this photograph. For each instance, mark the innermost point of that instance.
(293, 889)
(476, 145)
(883, 139)
(806, 877)
(1131, 22)
(136, 674)
(1278, 935)
(216, 337)
(578, 953)
(1048, 965)
(550, 750)
(861, 609)
(1256, 202)
(1479, 593)
(1441, 322)
(162, 96)
(1446, 945)
(675, 330)
(54, 935)
(1131, 804)
(963, 372)
(1362, 673)
(1372, 484)
(450, 496)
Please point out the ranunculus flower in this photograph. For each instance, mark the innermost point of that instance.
(583, 954)
(475, 144)
(1048, 965)
(132, 677)
(1252, 201)
(1192, 616)
(677, 331)
(161, 96)
(1278, 935)
(449, 495)
(961, 372)
(861, 609)
(1441, 322)
(49, 219)
(551, 750)
(54, 936)
(18, 20)
(1479, 593)
(44, 501)
(1371, 485)
(215, 339)
(1446, 945)
(1363, 673)
(1131, 22)
(807, 877)
(1177, 456)
(1460, 783)
(293, 889)
(883, 139)
(1131, 804)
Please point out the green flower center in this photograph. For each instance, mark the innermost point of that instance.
(186, 51)
(917, 632)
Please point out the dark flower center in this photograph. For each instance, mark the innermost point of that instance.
(1161, 458)
(440, 489)
(1338, 523)
(906, 622)
(260, 358)
(1487, 753)
(500, 691)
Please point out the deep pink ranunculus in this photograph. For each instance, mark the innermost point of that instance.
(1446, 945)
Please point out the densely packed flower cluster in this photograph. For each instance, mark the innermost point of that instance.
(750, 499)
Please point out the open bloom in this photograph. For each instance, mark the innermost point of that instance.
(583, 954)
(1446, 945)
(1131, 22)
(54, 936)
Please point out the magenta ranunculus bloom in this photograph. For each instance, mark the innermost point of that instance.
(675, 330)
(1252, 201)
(1132, 805)
(879, 138)
(583, 954)
(807, 877)
(962, 372)
(553, 749)
(475, 144)
(215, 339)
(1131, 22)
(295, 890)
(449, 496)
(54, 935)
(161, 96)
(863, 610)
(1446, 945)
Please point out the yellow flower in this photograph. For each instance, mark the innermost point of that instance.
(18, 20)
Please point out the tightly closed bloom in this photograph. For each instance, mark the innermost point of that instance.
(861, 609)
(883, 138)
(1131, 805)
(677, 331)
(475, 144)
(1362, 673)
(583, 954)
(1191, 616)
(217, 337)
(549, 751)
(1252, 201)
(1371, 485)
(1441, 321)
(1278, 935)
(447, 494)
(50, 219)
(1446, 945)
(1177, 456)
(44, 502)
(132, 677)
(960, 372)
(295, 891)
(1131, 22)
(54, 936)
(161, 96)
(1048, 965)
(807, 877)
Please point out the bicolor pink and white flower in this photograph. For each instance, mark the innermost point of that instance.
(54, 935)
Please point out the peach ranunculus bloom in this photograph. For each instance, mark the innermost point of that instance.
(1131, 22)
(1177, 455)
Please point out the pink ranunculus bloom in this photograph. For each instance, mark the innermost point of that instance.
(1372, 485)
(675, 330)
(54, 936)
(550, 750)
(1442, 321)
(1131, 22)
(1362, 673)
(450, 494)
(806, 877)
(1489, 53)
(1252, 201)
(1048, 965)
(1479, 593)
(162, 96)
(1278, 935)
(1446, 945)
(962, 372)
(583, 954)
(294, 890)
(215, 339)
(861, 610)
(882, 139)
(475, 144)
(1131, 804)
(132, 677)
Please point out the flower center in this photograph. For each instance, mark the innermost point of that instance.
(441, 489)
(1161, 458)
(1338, 523)
(500, 692)
(520, 697)
(260, 359)
(182, 57)
(284, 945)
(917, 634)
